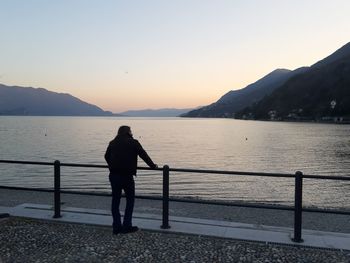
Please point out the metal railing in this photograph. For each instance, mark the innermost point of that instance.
(298, 191)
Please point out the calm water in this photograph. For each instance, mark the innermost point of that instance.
(222, 144)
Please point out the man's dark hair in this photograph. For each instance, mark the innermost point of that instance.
(123, 130)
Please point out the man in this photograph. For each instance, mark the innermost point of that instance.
(121, 157)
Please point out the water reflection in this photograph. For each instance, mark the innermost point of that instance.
(187, 143)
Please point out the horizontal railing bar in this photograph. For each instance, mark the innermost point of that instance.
(104, 166)
(326, 211)
(84, 165)
(272, 207)
(27, 162)
(26, 188)
(85, 188)
(324, 177)
(184, 200)
(327, 177)
(231, 172)
(109, 194)
(208, 202)
(84, 193)
(189, 170)
(73, 192)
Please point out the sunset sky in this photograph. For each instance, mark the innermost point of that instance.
(122, 55)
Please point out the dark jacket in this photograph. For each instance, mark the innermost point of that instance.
(121, 155)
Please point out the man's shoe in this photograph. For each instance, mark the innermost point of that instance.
(117, 231)
(130, 229)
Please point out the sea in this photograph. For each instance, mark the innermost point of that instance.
(194, 143)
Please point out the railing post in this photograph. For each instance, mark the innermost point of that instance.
(57, 191)
(165, 219)
(298, 207)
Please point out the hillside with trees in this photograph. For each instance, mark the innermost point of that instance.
(236, 100)
(322, 93)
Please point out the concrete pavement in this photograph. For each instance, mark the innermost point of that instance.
(223, 229)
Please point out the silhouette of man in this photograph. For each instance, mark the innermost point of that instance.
(121, 157)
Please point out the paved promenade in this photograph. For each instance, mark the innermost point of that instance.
(278, 218)
(197, 234)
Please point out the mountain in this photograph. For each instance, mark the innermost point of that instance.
(236, 100)
(320, 93)
(155, 113)
(338, 54)
(16, 100)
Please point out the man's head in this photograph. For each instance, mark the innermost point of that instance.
(124, 130)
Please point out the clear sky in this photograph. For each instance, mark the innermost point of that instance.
(130, 54)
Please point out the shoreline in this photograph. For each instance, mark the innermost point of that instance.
(267, 120)
(187, 117)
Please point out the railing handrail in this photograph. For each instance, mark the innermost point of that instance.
(27, 162)
(207, 171)
(298, 186)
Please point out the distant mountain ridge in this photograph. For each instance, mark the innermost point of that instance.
(236, 100)
(319, 92)
(338, 54)
(167, 112)
(15, 100)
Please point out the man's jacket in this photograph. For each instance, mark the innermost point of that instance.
(121, 155)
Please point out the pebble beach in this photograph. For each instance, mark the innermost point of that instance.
(25, 240)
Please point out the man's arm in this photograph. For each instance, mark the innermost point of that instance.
(144, 156)
(107, 155)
